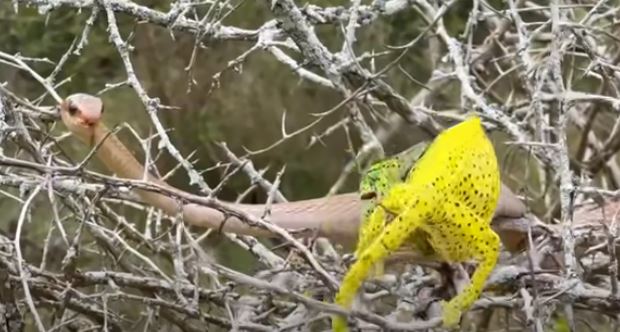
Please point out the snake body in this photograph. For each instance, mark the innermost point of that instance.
(335, 217)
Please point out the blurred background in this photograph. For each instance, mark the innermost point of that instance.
(242, 105)
(213, 98)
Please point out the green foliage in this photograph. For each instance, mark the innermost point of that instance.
(49, 37)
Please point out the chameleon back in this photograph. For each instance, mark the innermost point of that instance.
(458, 179)
(461, 166)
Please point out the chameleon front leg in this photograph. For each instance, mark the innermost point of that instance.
(390, 239)
(375, 184)
(374, 222)
(486, 252)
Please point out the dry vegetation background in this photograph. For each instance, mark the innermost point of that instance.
(544, 77)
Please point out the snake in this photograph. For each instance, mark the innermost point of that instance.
(336, 217)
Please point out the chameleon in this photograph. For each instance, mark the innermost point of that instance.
(374, 185)
(450, 195)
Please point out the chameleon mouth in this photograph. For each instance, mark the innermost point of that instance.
(368, 195)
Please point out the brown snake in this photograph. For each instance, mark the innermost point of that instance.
(336, 217)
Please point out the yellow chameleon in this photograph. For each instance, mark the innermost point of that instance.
(450, 196)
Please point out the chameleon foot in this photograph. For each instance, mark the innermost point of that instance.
(339, 324)
(451, 314)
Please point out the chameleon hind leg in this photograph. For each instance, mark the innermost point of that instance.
(486, 252)
(388, 241)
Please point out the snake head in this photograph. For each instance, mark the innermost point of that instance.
(81, 112)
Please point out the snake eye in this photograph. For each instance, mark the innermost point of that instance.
(72, 108)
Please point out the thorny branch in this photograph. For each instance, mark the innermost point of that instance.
(534, 71)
